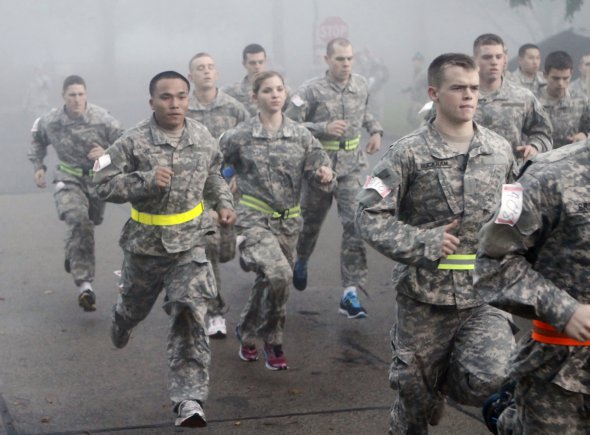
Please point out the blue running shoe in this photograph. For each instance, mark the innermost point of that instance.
(300, 275)
(350, 305)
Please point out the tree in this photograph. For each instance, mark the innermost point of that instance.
(571, 6)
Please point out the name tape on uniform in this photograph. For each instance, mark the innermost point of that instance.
(511, 207)
(297, 100)
(377, 185)
(102, 162)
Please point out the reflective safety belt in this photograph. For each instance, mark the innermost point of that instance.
(457, 262)
(347, 145)
(166, 219)
(263, 207)
(545, 333)
(74, 170)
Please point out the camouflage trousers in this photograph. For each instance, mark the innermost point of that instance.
(270, 255)
(444, 351)
(221, 248)
(188, 283)
(79, 207)
(545, 408)
(315, 205)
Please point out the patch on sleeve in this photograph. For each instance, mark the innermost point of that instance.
(377, 185)
(101, 163)
(511, 207)
(35, 126)
(297, 100)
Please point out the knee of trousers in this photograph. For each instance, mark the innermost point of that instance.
(470, 388)
(279, 276)
(77, 217)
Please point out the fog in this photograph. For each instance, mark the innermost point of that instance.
(117, 46)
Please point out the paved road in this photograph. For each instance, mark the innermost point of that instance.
(59, 373)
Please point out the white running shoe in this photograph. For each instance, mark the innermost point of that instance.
(216, 327)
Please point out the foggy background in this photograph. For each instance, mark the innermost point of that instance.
(118, 45)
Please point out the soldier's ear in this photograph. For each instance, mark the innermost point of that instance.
(433, 93)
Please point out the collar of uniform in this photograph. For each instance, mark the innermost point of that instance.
(351, 85)
(66, 119)
(441, 150)
(285, 130)
(548, 100)
(160, 138)
(195, 104)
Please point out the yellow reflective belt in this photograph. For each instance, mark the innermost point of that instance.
(74, 170)
(262, 206)
(166, 219)
(458, 262)
(347, 145)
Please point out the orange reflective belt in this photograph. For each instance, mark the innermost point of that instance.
(545, 333)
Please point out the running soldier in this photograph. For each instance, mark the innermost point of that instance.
(334, 109)
(273, 157)
(569, 114)
(254, 61)
(528, 74)
(166, 167)
(511, 111)
(533, 261)
(422, 208)
(218, 112)
(579, 87)
(79, 132)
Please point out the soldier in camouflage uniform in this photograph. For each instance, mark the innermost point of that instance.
(79, 132)
(579, 87)
(569, 114)
(511, 111)
(528, 74)
(218, 112)
(533, 261)
(166, 167)
(334, 109)
(422, 208)
(273, 157)
(254, 61)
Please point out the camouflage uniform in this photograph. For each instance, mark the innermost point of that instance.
(538, 269)
(536, 85)
(569, 115)
(515, 114)
(242, 91)
(271, 168)
(318, 102)
(170, 258)
(223, 113)
(446, 340)
(578, 87)
(75, 197)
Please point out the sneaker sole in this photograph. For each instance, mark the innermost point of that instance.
(360, 315)
(243, 358)
(193, 421)
(275, 369)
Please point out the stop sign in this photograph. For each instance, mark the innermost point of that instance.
(332, 27)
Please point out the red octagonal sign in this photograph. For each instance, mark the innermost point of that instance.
(332, 27)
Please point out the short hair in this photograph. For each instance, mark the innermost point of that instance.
(342, 42)
(437, 66)
(73, 80)
(262, 76)
(198, 56)
(252, 49)
(487, 39)
(166, 75)
(523, 49)
(559, 60)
